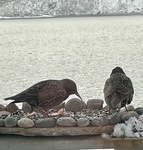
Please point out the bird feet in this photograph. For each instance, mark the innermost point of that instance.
(45, 114)
(59, 113)
(41, 113)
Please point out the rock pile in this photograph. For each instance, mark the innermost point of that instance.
(77, 113)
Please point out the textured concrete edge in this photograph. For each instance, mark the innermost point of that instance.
(58, 131)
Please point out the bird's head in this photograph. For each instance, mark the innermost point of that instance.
(117, 70)
(70, 87)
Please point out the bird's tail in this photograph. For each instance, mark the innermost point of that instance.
(16, 99)
(8, 98)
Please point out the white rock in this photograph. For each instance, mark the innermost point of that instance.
(25, 123)
(119, 130)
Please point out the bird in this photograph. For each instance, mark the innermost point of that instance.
(46, 94)
(118, 90)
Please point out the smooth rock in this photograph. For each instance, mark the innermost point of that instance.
(10, 121)
(139, 110)
(45, 123)
(1, 122)
(2, 108)
(26, 107)
(95, 104)
(83, 122)
(25, 123)
(11, 108)
(129, 108)
(5, 113)
(114, 119)
(99, 121)
(66, 122)
(126, 115)
(74, 105)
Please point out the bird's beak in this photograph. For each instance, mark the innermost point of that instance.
(78, 95)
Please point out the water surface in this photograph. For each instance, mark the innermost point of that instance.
(84, 49)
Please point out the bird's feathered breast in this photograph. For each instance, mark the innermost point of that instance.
(119, 83)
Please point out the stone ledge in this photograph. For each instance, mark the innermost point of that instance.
(57, 131)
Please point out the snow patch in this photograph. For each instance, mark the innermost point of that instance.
(23, 8)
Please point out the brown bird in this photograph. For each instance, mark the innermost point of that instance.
(46, 94)
(118, 90)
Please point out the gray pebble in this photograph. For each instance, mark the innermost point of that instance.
(45, 123)
(129, 108)
(99, 121)
(19, 114)
(25, 123)
(139, 110)
(83, 122)
(4, 114)
(95, 104)
(114, 119)
(11, 108)
(74, 105)
(66, 121)
(126, 115)
(1, 122)
(10, 121)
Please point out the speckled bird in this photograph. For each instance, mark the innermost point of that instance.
(46, 94)
(118, 90)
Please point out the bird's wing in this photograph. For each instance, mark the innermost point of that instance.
(51, 93)
(125, 87)
(108, 88)
(34, 90)
(30, 95)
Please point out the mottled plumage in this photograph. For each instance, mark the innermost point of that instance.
(118, 89)
(46, 94)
